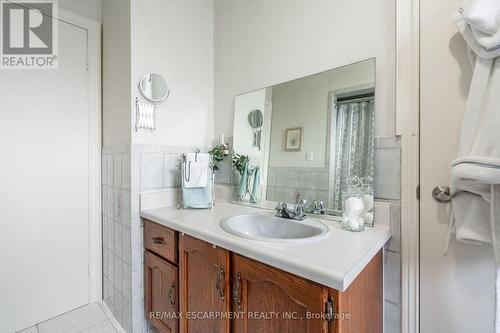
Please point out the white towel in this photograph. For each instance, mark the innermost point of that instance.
(196, 170)
(475, 186)
(484, 44)
(482, 15)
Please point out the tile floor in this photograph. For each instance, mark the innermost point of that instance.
(87, 319)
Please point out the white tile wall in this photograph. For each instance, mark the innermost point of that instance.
(151, 170)
(116, 180)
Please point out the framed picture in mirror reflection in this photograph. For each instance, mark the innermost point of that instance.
(293, 139)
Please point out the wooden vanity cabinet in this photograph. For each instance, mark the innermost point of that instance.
(271, 300)
(204, 287)
(213, 290)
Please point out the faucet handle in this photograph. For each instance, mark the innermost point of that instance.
(318, 206)
(279, 208)
(299, 209)
(280, 205)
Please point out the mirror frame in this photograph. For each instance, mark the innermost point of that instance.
(152, 100)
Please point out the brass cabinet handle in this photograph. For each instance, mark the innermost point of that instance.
(219, 283)
(171, 294)
(158, 240)
(237, 292)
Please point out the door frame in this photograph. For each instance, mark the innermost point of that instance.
(93, 31)
(408, 128)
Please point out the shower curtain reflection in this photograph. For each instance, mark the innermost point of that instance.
(354, 145)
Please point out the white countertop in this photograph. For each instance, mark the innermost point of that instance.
(334, 260)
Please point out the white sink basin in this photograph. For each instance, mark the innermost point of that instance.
(266, 227)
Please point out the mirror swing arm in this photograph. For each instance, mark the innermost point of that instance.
(154, 89)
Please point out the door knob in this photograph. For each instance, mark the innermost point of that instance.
(441, 194)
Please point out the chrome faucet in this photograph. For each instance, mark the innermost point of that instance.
(317, 207)
(298, 212)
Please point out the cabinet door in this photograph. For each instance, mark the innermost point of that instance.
(269, 300)
(161, 293)
(204, 287)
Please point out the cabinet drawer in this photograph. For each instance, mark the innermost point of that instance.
(160, 240)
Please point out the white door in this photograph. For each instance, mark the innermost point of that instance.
(44, 187)
(456, 291)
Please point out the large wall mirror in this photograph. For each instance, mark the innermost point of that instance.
(309, 140)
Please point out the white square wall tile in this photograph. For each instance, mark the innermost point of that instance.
(387, 174)
(104, 170)
(111, 267)
(392, 318)
(117, 241)
(394, 243)
(137, 326)
(109, 169)
(125, 208)
(105, 288)
(104, 229)
(110, 234)
(127, 316)
(137, 294)
(137, 247)
(105, 268)
(271, 177)
(110, 301)
(117, 204)
(392, 277)
(171, 172)
(118, 282)
(151, 170)
(126, 246)
(117, 171)
(109, 201)
(118, 310)
(126, 171)
(111, 290)
(126, 279)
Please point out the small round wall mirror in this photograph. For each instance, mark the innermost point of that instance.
(154, 88)
(256, 119)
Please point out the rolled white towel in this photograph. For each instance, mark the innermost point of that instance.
(354, 207)
(484, 45)
(482, 15)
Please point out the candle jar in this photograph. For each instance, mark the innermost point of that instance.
(353, 206)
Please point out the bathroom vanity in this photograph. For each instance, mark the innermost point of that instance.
(200, 278)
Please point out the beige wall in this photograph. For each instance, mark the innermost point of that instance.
(175, 39)
(116, 63)
(89, 8)
(262, 43)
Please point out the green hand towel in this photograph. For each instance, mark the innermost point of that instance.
(243, 182)
(254, 198)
